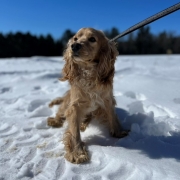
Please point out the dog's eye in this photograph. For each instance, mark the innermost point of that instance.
(92, 39)
(75, 39)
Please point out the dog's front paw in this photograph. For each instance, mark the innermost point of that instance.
(83, 126)
(77, 156)
(53, 122)
(51, 104)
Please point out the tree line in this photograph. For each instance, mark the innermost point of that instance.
(141, 42)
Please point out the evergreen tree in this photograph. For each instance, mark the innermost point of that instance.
(66, 36)
(143, 42)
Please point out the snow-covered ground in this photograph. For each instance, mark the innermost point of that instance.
(147, 90)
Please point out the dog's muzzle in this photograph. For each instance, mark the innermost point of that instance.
(76, 47)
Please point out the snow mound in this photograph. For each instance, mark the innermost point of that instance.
(146, 89)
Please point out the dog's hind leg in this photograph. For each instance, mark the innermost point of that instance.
(56, 101)
(86, 122)
(56, 121)
(108, 117)
(51, 121)
(59, 119)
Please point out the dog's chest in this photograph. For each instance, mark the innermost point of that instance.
(87, 78)
(88, 84)
(96, 101)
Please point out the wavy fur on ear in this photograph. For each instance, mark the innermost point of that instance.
(107, 57)
(69, 71)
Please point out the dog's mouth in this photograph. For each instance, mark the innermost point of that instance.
(76, 57)
(75, 54)
(79, 56)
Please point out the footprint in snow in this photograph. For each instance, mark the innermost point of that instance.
(37, 88)
(4, 90)
(39, 108)
(8, 131)
(176, 100)
(28, 141)
(26, 171)
(36, 103)
(53, 169)
(25, 154)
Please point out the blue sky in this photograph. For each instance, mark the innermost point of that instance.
(55, 16)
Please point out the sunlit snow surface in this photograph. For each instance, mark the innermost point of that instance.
(147, 91)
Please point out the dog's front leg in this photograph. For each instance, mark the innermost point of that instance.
(75, 148)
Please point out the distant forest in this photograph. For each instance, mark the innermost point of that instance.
(141, 42)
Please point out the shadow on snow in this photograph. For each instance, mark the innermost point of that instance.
(155, 140)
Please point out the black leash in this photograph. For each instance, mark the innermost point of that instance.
(149, 20)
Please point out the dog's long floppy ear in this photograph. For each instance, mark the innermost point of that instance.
(106, 58)
(69, 70)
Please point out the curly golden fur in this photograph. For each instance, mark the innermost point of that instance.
(89, 68)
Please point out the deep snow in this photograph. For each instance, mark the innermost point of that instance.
(147, 90)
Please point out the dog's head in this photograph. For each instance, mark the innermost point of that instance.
(90, 47)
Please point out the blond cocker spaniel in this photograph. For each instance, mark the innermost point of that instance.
(89, 68)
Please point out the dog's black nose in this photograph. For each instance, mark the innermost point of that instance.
(75, 47)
